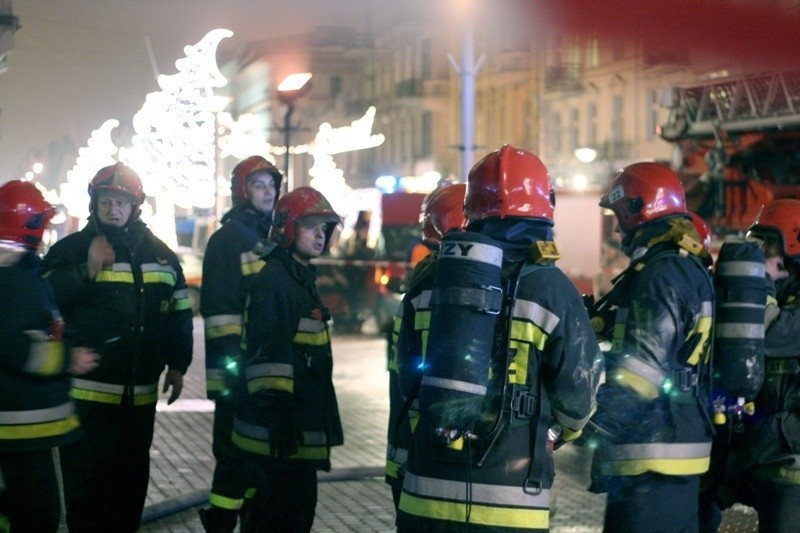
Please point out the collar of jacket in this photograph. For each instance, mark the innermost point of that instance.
(129, 235)
(304, 274)
(250, 217)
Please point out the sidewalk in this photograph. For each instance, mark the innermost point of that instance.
(353, 496)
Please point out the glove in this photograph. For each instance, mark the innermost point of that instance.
(284, 433)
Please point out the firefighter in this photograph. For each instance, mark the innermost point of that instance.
(652, 429)
(230, 262)
(122, 292)
(538, 359)
(763, 470)
(287, 417)
(442, 212)
(36, 413)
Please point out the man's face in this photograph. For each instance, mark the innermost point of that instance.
(113, 209)
(261, 192)
(309, 239)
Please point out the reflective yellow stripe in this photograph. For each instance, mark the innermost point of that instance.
(702, 351)
(422, 320)
(158, 277)
(478, 514)
(270, 383)
(528, 332)
(262, 448)
(518, 368)
(46, 357)
(642, 386)
(312, 339)
(215, 385)
(224, 502)
(249, 493)
(391, 468)
(253, 267)
(217, 326)
(670, 467)
(36, 431)
(181, 304)
(223, 331)
(114, 277)
(111, 398)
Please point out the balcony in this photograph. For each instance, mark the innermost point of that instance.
(564, 77)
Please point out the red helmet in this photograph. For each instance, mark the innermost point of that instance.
(509, 182)
(251, 167)
(643, 192)
(702, 229)
(781, 217)
(300, 203)
(442, 211)
(24, 213)
(117, 178)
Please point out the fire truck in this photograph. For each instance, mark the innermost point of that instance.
(736, 145)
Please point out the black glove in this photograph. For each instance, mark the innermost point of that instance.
(284, 433)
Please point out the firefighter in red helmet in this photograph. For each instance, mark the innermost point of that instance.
(532, 346)
(442, 212)
(651, 428)
(231, 261)
(123, 293)
(287, 418)
(36, 413)
(763, 472)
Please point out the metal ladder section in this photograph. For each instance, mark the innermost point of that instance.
(767, 101)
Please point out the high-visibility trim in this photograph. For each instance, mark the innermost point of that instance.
(215, 379)
(455, 385)
(749, 269)
(96, 391)
(155, 273)
(527, 332)
(269, 370)
(251, 263)
(703, 328)
(115, 273)
(249, 493)
(568, 422)
(37, 416)
(255, 439)
(223, 502)
(641, 385)
(37, 431)
(311, 332)
(45, 357)
(181, 304)
(669, 458)
(218, 326)
(544, 319)
(618, 331)
(422, 320)
(518, 368)
(489, 505)
(270, 384)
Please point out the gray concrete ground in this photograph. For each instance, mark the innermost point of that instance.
(353, 496)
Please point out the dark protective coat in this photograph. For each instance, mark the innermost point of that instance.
(287, 376)
(553, 356)
(36, 412)
(652, 410)
(229, 265)
(136, 313)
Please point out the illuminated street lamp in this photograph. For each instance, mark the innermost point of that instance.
(290, 89)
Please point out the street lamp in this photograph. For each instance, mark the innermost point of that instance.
(290, 89)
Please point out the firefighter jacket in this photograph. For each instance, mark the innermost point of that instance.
(772, 436)
(229, 264)
(136, 313)
(35, 410)
(652, 409)
(287, 376)
(545, 370)
(411, 320)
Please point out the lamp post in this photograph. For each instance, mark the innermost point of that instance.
(290, 89)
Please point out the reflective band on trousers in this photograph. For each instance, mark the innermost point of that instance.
(37, 416)
(452, 384)
(222, 325)
(740, 269)
(480, 493)
(669, 458)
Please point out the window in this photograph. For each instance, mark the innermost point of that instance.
(426, 140)
(591, 125)
(574, 128)
(652, 113)
(555, 133)
(617, 129)
(425, 56)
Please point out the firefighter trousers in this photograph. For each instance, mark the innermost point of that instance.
(106, 472)
(30, 501)
(285, 502)
(234, 478)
